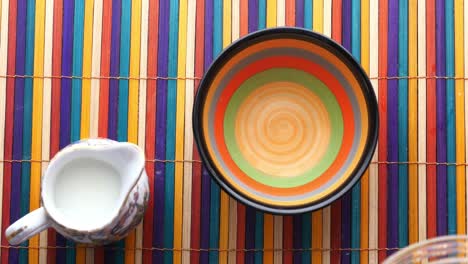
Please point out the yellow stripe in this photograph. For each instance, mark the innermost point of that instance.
(271, 13)
(422, 223)
(87, 58)
(460, 117)
(413, 123)
(317, 16)
(179, 151)
(86, 94)
(224, 204)
(364, 255)
(133, 103)
(142, 109)
(36, 142)
(268, 232)
(317, 234)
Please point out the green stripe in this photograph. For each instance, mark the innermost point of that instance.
(356, 190)
(311, 83)
(450, 97)
(403, 125)
(168, 239)
(306, 236)
(27, 119)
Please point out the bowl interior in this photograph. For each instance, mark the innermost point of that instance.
(285, 120)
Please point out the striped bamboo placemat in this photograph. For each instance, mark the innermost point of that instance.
(128, 70)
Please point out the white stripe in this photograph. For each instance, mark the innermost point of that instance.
(3, 71)
(373, 168)
(188, 140)
(280, 12)
(95, 69)
(95, 72)
(422, 120)
(327, 17)
(278, 239)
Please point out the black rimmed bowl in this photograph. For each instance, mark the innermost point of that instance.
(285, 120)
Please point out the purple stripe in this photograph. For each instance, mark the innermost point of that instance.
(346, 201)
(249, 234)
(440, 115)
(253, 15)
(160, 150)
(114, 69)
(206, 179)
(297, 238)
(205, 215)
(110, 255)
(65, 97)
(393, 125)
(300, 13)
(18, 122)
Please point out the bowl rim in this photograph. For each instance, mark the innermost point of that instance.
(343, 55)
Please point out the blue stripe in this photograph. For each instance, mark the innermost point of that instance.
(356, 191)
(451, 154)
(77, 70)
(262, 14)
(215, 191)
(308, 14)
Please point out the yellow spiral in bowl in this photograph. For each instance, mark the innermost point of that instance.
(282, 129)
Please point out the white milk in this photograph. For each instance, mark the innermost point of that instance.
(87, 191)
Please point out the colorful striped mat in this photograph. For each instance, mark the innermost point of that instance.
(128, 70)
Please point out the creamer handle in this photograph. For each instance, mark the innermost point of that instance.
(27, 226)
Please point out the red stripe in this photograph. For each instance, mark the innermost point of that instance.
(104, 88)
(383, 27)
(105, 67)
(431, 121)
(240, 255)
(288, 239)
(240, 244)
(151, 123)
(196, 169)
(336, 20)
(55, 107)
(290, 13)
(335, 230)
(9, 116)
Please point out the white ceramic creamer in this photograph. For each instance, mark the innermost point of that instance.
(93, 191)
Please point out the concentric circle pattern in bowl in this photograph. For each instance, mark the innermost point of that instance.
(285, 120)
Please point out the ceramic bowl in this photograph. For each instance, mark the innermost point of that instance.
(285, 120)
